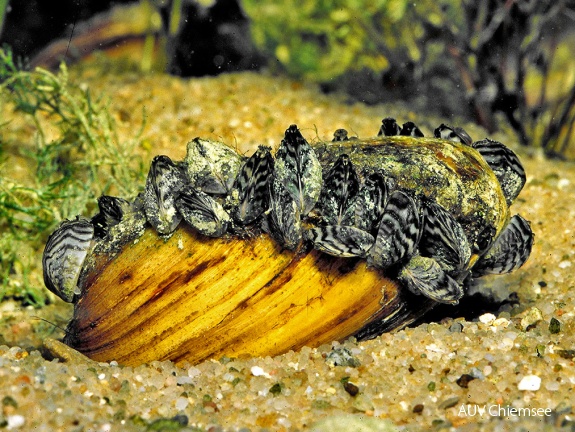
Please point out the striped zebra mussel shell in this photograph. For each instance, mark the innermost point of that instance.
(64, 256)
(224, 254)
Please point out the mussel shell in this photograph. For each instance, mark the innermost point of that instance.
(191, 298)
(451, 174)
(64, 256)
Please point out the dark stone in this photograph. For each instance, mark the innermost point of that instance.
(464, 380)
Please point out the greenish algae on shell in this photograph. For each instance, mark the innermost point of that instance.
(452, 174)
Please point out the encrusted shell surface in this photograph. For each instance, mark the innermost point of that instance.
(452, 174)
(191, 297)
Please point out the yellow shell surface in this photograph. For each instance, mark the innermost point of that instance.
(191, 298)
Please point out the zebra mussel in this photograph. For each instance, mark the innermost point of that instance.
(226, 254)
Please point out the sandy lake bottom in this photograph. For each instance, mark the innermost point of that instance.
(504, 370)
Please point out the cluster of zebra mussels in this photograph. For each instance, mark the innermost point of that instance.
(431, 213)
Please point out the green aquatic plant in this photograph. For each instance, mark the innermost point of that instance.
(316, 40)
(321, 40)
(72, 156)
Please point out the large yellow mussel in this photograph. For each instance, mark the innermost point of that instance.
(224, 255)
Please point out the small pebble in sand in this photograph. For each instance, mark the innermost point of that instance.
(532, 317)
(456, 327)
(554, 326)
(487, 318)
(530, 382)
(15, 421)
(258, 371)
